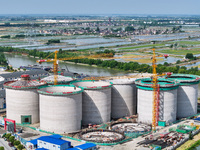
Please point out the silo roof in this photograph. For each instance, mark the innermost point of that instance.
(122, 81)
(185, 79)
(59, 90)
(164, 84)
(92, 85)
(24, 83)
(60, 79)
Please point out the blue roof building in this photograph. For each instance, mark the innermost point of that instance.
(86, 146)
(56, 136)
(52, 142)
(49, 142)
(32, 144)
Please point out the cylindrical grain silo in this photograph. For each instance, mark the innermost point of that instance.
(22, 100)
(60, 108)
(2, 93)
(96, 101)
(60, 79)
(187, 94)
(167, 100)
(123, 98)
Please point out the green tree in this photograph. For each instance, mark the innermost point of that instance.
(7, 136)
(6, 36)
(129, 28)
(60, 51)
(17, 143)
(20, 146)
(98, 30)
(12, 139)
(189, 56)
(178, 62)
(1, 148)
(190, 136)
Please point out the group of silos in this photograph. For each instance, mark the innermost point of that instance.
(178, 94)
(65, 107)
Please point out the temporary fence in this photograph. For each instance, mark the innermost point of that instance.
(23, 141)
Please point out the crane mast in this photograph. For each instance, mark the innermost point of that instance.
(55, 68)
(156, 94)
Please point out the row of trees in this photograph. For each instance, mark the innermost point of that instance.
(3, 60)
(136, 67)
(132, 66)
(12, 140)
(53, 41)
(23, 35)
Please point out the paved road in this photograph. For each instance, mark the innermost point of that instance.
(4, 144)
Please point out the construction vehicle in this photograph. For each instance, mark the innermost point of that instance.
(55, 61)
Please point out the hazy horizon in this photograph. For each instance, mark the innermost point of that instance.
(103, 7)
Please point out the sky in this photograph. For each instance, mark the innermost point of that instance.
(100, 7)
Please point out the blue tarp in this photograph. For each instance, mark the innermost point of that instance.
(197, 119)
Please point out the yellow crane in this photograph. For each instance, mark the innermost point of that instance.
(55, 61)
(156, 91)
(155, 87)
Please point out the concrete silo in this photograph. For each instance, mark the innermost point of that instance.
(123, 98)
(60, 108)
(2, 93)
(60, 79)
(96, 101)
(187, 94)
(167, 104)
(22, 100)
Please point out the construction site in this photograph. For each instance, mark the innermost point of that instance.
(138, 110)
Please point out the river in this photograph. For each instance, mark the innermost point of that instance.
(16, 61)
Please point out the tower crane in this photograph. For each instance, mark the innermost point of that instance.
(55, 61)
(156, 91)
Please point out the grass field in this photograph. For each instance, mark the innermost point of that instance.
(189, 143)
(142, 46)
(187, 42)
(145, 60)
(180, 52)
